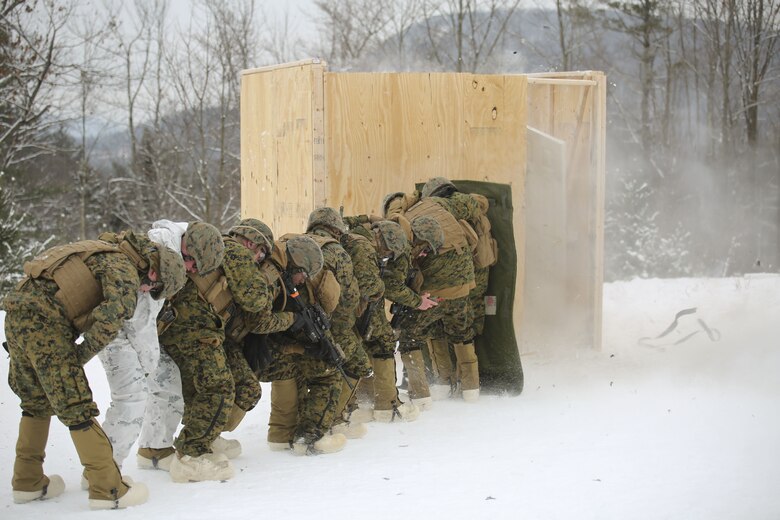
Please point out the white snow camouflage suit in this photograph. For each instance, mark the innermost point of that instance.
(146, 401)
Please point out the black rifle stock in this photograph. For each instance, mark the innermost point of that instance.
(314, 324)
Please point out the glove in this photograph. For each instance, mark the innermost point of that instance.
(298, 322)
(257, 352)
(316, 351)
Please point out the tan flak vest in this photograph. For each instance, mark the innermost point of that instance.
(213, 288)
(79, 291)
(454, 233)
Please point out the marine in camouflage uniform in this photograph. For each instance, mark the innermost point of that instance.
(84, 288)
(326, 223)
(463, 207)
(195, 341)
(385, 261)
(305, 389)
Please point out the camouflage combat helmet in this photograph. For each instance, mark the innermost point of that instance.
(326, 217)
(256, 231)
(435, 184)
(388, 199)
(305, 254)
(393, 236)
(427, 229)
(171, 272)
(204, 243)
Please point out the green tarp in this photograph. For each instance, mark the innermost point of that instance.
(500, 368)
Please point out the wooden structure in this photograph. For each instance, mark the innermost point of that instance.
(312, 138)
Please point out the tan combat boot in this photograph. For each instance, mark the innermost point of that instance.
(341, 425)
(230, 447)
(468, 368)
(328, 443)
(284, 414)
(419, 392)
(155, 458)
(443, 370)
(365, 399)
(209, 466)
(106, 488)
(29, 483)
(387, 406)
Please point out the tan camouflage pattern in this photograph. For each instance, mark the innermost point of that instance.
(46, 366)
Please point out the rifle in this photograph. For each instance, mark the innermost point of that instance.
(399, 311)
(313, 322)
(364, 321)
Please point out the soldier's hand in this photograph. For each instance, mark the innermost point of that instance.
(427, 302)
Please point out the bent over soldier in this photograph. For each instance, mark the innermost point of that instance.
(327, 228)
(194, 339)
(85, 288)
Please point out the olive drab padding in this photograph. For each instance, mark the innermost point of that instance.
(256, 231)
(79, 292)
(433, 185)
(454, 236)
(204, 243)
(393, 236)
(427, 229)
(326, 217)
(486, 251)
(304, 252)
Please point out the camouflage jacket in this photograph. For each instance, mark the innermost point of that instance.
(337, 261)
(269, 320)
(394, 278)
(365, 265)
(196, 318)
(462, 206)
(119, 280)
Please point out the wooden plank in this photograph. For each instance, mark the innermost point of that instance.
(556, 81)
(277, 146)
(545, 293)
(598, 146)
(288, 65)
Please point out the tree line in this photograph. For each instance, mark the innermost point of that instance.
(113, 114)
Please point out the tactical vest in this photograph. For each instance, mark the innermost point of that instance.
(79, 291)
(454, 235)
(213, 288)
(324, 285)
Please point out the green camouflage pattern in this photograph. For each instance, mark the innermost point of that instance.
(462, 206)
(477, 299)
(450, 269)
(427, 229)
(394, 279)
(255, 230)
(195, 342)
(342, 320)
(204, 244)
(247, 386)
(434, 185)
(393, 236)
(305, 254)
(46, 366)
(456, 319)
(327, 217)
(365, 265)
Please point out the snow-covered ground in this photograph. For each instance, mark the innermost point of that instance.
(681, 431)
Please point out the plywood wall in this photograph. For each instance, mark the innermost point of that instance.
(387, 132)
(282, 144)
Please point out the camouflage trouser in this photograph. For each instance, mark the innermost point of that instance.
(381, 342)
(45, 368)
(356, 364)
(477, 299)
(248, 391)
(319, 387)
(208, 391)
(456, 319)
